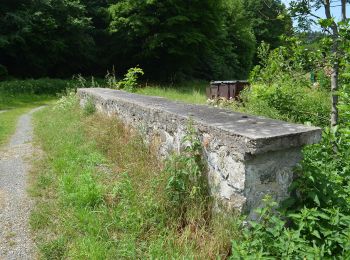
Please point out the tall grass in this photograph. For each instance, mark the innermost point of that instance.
(100, 194)
(189, 92)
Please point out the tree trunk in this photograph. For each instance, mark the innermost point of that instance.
(335, 67)
(343, 10)
(334, 89)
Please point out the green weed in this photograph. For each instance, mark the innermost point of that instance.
(106, 195)
(186, 184)
(314, 222)
(89, 107)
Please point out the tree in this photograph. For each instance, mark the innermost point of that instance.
(41, 37)
(236, 46)
(166, 38)
(270, 20)
(172, 39)
(304, 10)
(97, 12)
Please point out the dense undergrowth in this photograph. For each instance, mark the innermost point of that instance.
(44, 86)
(315, 222)
(281, 88)
(102, 194)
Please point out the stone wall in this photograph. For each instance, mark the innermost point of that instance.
(247, 156)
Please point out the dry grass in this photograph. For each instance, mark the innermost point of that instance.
(126, 214)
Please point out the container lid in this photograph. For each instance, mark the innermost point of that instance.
(229, 82)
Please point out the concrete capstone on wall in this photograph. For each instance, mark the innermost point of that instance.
(247, 156)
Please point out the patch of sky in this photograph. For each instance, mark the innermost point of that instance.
(336, 11)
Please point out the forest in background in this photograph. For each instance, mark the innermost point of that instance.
(171, 40)
(84, 212)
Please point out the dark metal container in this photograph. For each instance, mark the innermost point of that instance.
(226, 89)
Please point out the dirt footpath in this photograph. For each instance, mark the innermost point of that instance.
(15, 204)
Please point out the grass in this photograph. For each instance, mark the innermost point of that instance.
(43, 86)
(11, 101)
(16, 105)
(8, 121)
(189, 92)
(19, 96)
(298, 105)
(100, 194)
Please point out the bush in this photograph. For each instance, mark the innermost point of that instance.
(129, 83)
(316, 234)
(287, 102)
(282, 89)
(315, 222)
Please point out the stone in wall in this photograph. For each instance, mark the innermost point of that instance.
(247, 157)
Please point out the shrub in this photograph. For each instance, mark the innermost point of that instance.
(281, 86)
(318, 213)
(315, 222)
(129, 83)
(67, 101)
(297, 104)
(316, 234)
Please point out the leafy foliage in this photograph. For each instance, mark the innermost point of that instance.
(42, 86)
(319, 213)
(44, 37)
(281, 87)
(315, 222)
(186, 182)
(270, 21)
(317, 233)
(161, 34)
(172, 40)
(129, 83)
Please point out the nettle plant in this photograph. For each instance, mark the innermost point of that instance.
(186, 181)
(318, 213)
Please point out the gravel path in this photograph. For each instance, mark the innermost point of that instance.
(15, 205)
